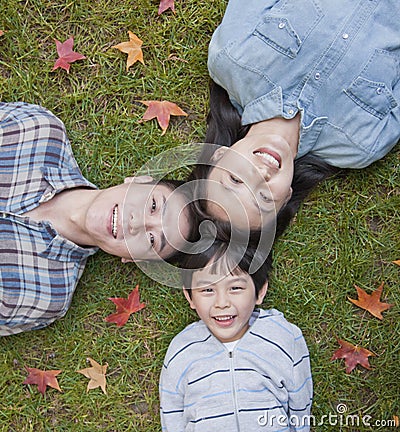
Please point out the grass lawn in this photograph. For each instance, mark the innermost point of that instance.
(346, 233)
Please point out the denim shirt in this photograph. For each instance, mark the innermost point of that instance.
(335, 62)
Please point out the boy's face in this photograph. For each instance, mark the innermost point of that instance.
(224, 303)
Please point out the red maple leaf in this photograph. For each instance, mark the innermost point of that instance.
(1, 32)
(352, 355)
(66, 54)
(166, 4)
(372, 302)
(163, 111)
(125, 307)
(42, 379)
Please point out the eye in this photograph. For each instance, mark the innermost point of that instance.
(265, 197)
(151, 239)
(207, 290)
(237, 288)
(234, 179)
(153, 205)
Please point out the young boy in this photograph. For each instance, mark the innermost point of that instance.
(239, 368)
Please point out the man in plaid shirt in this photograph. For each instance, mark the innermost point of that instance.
(52, 219)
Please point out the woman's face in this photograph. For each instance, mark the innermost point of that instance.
(251, 181)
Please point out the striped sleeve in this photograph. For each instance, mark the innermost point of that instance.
(171, 400)
(301, 391)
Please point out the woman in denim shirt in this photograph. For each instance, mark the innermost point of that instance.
(301, 88)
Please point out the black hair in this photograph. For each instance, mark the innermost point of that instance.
(224, 128)
(193, 216)
(226, 256)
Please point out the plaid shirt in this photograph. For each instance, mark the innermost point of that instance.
(39, 269)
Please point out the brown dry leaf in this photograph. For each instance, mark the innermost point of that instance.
(162, 110)
(42, 378)
(352, 355)
(166, 4)
(96, 374)
(396, 262)
(372, 302)
(132, 48)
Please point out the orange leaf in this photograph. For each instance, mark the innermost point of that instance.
(166, 4)
(66, 54)
(372, 302)
(42, 379)
(1, 32)
(125, 307)
(396, 262)
(132, 48)
(352, 355)
(162, 110)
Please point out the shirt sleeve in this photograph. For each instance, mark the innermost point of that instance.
(171, 399)
(301, 393)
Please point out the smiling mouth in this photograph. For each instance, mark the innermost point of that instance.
(225, 320)
(114, 222)
(269, 156)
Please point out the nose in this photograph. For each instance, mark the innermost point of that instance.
(139, 222)
(264, 172)
(222, 300)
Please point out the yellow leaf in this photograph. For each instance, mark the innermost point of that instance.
(96, 374)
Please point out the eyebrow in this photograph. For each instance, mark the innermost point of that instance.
(207, 283)
(163, 240)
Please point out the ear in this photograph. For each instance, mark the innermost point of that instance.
(261, 293)
(139, 179)
(185, 291)
(289, 195)
(125, 260)
(217, 155)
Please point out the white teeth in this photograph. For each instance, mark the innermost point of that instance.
(115, 222)
(225, 318)
(268, 157)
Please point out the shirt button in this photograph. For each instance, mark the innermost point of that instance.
(379, 90)
(345, 36)
(317, 76)
(290, 111)
(281, 25)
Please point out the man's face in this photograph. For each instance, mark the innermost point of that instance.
(139, 220)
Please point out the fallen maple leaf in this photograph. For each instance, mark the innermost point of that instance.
(352, 355)
(1, 32)
(372, 302)
(162, 110)
(96, 374)
(66, 54)
(42, 379)
(132, 48)
(125, 307)
(166, 4)
(396, 262)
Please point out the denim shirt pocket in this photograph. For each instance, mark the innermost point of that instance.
(284, 29)
(372, 89)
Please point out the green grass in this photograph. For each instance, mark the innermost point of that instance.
(346, 233)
